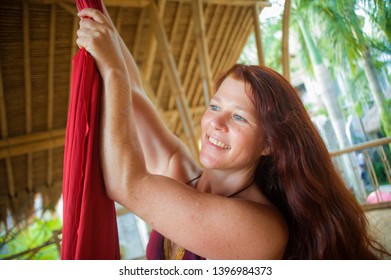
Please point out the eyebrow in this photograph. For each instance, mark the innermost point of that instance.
(218, 99)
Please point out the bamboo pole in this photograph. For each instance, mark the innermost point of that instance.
(139, 29)
(202, 48)
(173, 77)
(216, 20)
(258, 35)
(7, 151)
(162, 79)
(366, 145)
(285, 40)
(192, 75)
(51, 69)
(145, 3)
(4, 135)
(149, 58)
(27, 87)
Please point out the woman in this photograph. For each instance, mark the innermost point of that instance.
(267, 188)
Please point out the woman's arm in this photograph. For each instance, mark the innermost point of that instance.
(158, 143)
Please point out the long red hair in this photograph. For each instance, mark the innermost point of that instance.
(325, 221)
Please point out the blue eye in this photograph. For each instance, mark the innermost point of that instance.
(214, 108)
(239, 118)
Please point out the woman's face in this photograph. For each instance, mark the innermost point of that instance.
(231, 137)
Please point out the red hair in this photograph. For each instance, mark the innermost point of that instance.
(324, 219)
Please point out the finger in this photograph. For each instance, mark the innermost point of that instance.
(96, 15)
(80, 42)
(88, 23)
(84, 32)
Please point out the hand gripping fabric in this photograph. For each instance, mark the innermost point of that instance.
(89, 217)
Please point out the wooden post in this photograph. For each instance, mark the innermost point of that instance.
(173, 77)
(27, 87)
(285, 40)
(4, 135)
(52, 49)
(202, 48)
(146, 68)
(162, 80)
(258, 35)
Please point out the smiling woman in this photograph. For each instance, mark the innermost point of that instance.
(267, 188)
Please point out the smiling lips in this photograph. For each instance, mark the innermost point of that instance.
(218, 143)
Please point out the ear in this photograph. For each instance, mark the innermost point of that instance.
(265, 151)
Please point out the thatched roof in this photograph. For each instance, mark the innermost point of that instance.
(177, 46)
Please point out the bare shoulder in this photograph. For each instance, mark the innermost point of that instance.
(226, 228)
(267, 231)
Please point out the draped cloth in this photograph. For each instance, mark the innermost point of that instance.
(89, 217)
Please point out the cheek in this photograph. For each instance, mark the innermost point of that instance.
(204, 121)
(251, 138)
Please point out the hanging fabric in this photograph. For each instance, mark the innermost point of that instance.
(89, 217)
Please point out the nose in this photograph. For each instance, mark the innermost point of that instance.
(220, 122)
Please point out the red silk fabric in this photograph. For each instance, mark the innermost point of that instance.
(89, 218)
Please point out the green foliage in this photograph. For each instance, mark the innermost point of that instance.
(35, 234)
(379, 168)
(386, 118)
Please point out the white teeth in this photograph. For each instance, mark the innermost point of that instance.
(218, 143)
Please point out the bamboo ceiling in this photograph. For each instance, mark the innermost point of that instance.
(179, 45)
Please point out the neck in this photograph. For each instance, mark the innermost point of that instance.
(225, 182)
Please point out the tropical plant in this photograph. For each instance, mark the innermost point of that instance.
(36, 240)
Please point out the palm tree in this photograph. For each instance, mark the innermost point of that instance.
(328, 90)
(342, 30)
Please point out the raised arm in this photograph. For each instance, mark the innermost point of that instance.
(158, 143)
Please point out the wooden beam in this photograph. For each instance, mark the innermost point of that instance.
(3, 109)
(236, 31)
(128, 3)
(152, 96)
(215, 26)
(243, 3)
(52, 49)
(52, 53)
(258, 35)
(220, 48)
(173, 76)
(27, 65)
(162, 79)
(27, 87)
(202, 48)
(4, 135)
(21, 145)
(192, 75)
(108, 3)
(223, 45)
(246, 29)
(244, 38)
(182, 58)
(149, 57)
(140, 25)
(145, 3)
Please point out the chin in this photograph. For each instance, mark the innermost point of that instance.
(209, 162)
